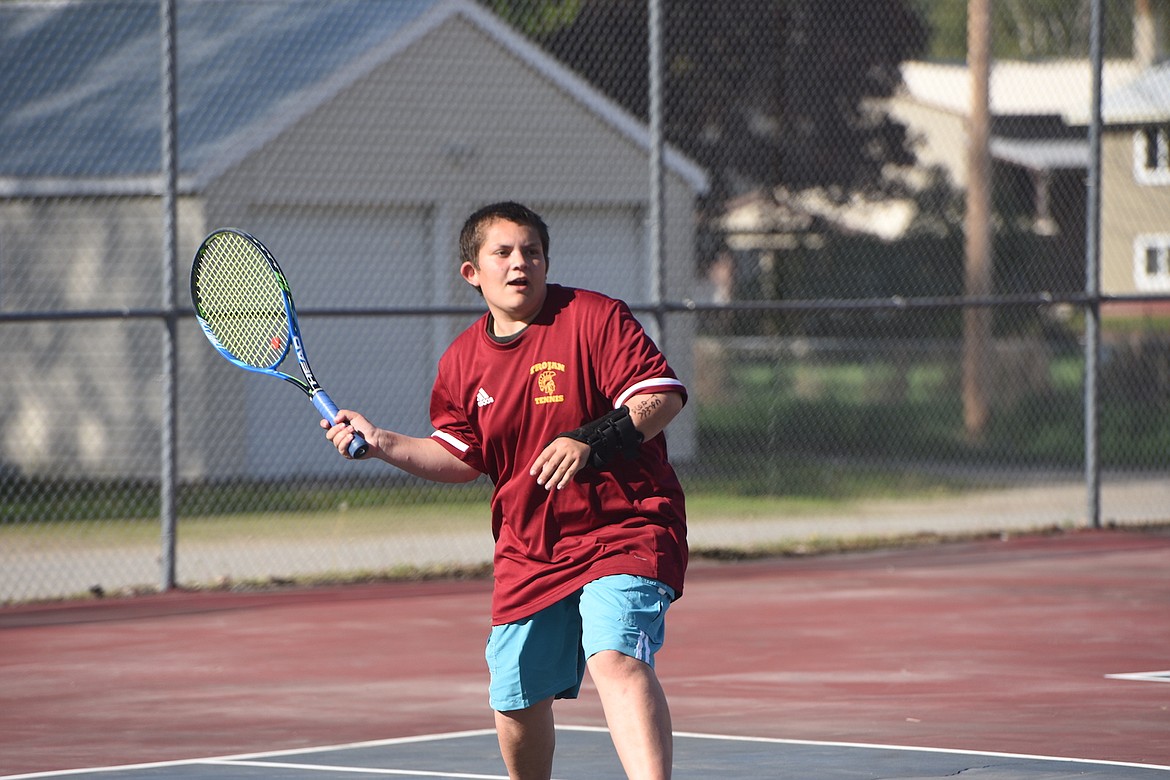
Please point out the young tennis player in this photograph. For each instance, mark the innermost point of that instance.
(560, 397)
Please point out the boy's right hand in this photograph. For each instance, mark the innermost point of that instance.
(341, 433)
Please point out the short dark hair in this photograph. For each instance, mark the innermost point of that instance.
(472, 236)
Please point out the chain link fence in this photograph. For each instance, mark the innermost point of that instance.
(787, 197)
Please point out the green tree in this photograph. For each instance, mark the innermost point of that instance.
(1029, 29)
(759, 92)
(537, 18)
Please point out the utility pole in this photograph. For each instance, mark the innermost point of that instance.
(977, 342)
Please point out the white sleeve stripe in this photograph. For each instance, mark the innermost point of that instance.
(662, 382)
(451, 440)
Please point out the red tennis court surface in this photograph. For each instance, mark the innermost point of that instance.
(1003, 645)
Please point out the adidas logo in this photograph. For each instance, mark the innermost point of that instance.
(482, 399)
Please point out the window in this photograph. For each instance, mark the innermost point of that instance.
(1151, 155)
(1151, 263)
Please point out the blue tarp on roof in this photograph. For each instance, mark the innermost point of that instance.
(80, 92)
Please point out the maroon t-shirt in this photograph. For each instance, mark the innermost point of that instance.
(496, 405)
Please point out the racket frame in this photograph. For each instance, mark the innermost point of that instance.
(309, 386)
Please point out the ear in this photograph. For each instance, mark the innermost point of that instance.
(470, 274)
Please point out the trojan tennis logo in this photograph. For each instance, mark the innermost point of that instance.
(546, 374)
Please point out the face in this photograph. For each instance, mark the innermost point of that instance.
(511, 273)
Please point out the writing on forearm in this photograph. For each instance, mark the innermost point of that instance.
(646, 406)
(651, 412)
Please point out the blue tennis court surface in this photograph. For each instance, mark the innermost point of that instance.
(585, 753)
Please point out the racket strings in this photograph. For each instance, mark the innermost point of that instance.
(239, 295)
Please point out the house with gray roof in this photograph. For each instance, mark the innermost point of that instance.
(1135, 188)
(353, 137)
(1040, 117)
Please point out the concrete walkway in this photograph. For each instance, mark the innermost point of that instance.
(44, 572)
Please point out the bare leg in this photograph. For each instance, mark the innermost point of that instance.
(527, 740)
(636, 712)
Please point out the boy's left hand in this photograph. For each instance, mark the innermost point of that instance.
(555, 466)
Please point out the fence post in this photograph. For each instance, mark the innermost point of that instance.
(168, 459)
(657, 261)
(1092, 275)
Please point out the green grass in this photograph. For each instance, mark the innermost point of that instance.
(386, 520)
(43, 500)
(774, 418)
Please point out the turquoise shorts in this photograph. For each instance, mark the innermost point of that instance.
(544, 655)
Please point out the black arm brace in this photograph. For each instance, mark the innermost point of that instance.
(607, 435)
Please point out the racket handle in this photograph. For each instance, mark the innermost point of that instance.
(358, 447)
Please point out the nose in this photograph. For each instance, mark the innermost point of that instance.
(522, 260)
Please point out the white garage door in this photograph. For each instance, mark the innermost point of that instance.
(599, 249)
(381, 367)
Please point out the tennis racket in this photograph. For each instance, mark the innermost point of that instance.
(245, 308)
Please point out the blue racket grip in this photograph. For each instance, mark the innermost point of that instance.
(358, 447)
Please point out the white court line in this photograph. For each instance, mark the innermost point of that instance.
(1142, 676)
(249, 759)
(352, 745)
(246, 756)
(912, 749)
(358, 770)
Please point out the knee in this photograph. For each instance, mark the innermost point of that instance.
(613, 664)
(536, 713)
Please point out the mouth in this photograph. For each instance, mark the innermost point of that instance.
(518, 283)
